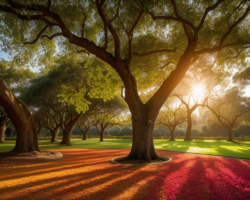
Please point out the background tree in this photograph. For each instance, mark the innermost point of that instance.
(172, 115)
(214, 126)
(138, 35)
(50, 120)
(194, 92)
(229, 107)
(84, 124)
(109, 113)
(58, 90)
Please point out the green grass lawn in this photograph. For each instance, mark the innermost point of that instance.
(213, 147)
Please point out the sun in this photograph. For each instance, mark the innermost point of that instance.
(197, 89)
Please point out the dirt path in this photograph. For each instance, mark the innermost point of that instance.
(89, 174)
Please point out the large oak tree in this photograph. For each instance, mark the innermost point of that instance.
(131, 36)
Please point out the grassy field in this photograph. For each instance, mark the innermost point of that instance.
(213, 147)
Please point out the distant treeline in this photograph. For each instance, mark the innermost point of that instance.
(161, 131)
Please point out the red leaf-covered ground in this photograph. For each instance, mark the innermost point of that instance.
(89, 174)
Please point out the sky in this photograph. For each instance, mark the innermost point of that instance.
(5, 56)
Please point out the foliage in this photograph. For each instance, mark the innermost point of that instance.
(214, 126)
(229, 106)
(173, 113)
(84, 19)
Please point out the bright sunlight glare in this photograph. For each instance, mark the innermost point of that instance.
(197, 90)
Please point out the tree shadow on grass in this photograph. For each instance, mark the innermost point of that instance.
(186, 176)
(204, 179)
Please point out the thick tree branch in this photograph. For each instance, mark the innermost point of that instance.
(83, 42)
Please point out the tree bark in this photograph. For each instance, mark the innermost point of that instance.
(84, 135)
(54, 134)
(84, 132)
(143, 140)
(67, 129)
(230, 135)
(22, 119)
(144, 115)
(3, 127)
(2, 131)
(67, 133)
(172, 134)
(101, 135)
(189, 127)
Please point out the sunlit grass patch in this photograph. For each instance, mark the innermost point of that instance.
(214, 147)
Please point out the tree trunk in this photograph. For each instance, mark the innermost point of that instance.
(144, 115)
(2, 131)
(172, 134)
(143, 140)
(84, 132)
(54, 134)
(189, 127)
(230, 135)
(22, 119)
(84, 135)
(3, 127)
(67, 133)
(101, 135)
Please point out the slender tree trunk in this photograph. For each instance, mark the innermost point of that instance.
(3, 127)
(172, 134)
(22, 119)
(54, 134)
(67, 133)
(189, 127)
(84, 132)
(101, 135)
(2, 131)
(230, 135)
(84, 137)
